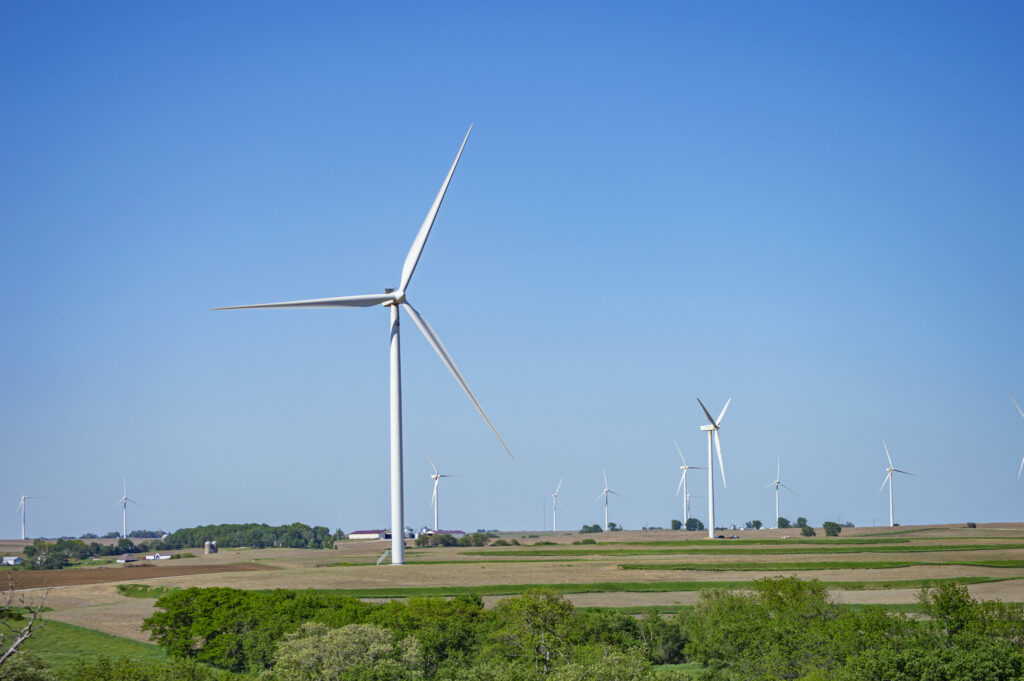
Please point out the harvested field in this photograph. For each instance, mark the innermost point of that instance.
(864, 566)
(37, 579)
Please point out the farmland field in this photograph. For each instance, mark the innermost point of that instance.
(629, 569)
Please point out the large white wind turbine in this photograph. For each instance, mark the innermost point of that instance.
(393, 298)
(778, 483)
(436, 477)
(604, 493)
(554, 507)
(21, 508)
(1022, 416)
(712, 430)
(888, 478)
(682, 483)
(124, 508)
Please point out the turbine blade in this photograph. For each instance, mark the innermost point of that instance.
(770, 484)
(887, 453)
(134, 502)
(721, 466)
(1015, 404)
(680, 452)
(706, 412)
(1021, 469)
(421, 237)
(345, 301)
(897, 470)
(788, 487)
(884, 480)
(559, 486)
(615, 493)
(722, 415)
(605, 478)
(599, 497)
(439, 348)
(680, 483)
(432, 463)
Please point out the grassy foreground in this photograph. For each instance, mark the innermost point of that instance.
(62, 646)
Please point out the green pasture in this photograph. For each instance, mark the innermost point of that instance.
(815, 565)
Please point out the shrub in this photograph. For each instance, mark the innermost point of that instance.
(972, 525)
(676, 525)
(832, 529)
(783, 523)
(807, 531)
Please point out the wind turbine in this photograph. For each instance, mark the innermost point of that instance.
(1022, 416)
(682, 483)
(605, 494)
(21, 507)
(392, 298)
(778, 482)
(888, 478)
(554, 507)
(124, 508)
(436, 477)
(712, 429)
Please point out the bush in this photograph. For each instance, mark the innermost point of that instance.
(693, 524)
(676, 525)
(972, 525)
(783, 523)
(590, 529)
(807, 531)
(832, 529)
(801, 522)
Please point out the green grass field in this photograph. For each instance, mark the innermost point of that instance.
(62, 646)
(747, 550)
(815, 565)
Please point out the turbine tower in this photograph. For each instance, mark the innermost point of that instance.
(21, 507)
(554, 507)
(888, 478)
(778, 482)
(393, 299)
(712, 430)
(682, 483)
(1021, 470)
(605, 494)
(436, 477)
(124, 508)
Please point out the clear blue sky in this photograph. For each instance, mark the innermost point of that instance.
(813, 209)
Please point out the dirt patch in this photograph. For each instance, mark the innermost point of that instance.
(36, 579)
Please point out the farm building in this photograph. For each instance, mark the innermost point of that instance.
(458, 534)
(370, 534)
(11, 560)
(127, 558)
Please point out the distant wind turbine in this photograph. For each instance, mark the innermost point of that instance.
(393, 299)
(778, 483)
(1022, 416)
(888, 478)
(682, 483)
(124, 508)
(21, 507)
(436, 478)
(712, 430)
(605, 494)
(554, 507)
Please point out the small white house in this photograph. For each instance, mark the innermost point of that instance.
(11, 560)
(127, 558)
(158, 556)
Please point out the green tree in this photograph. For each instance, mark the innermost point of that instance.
(783, 523)
(533, 629)
(676, 525)
(754, 524)
(694, 524)
(807, 531)
(352, 653)
(832, 529)
(801, 522)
